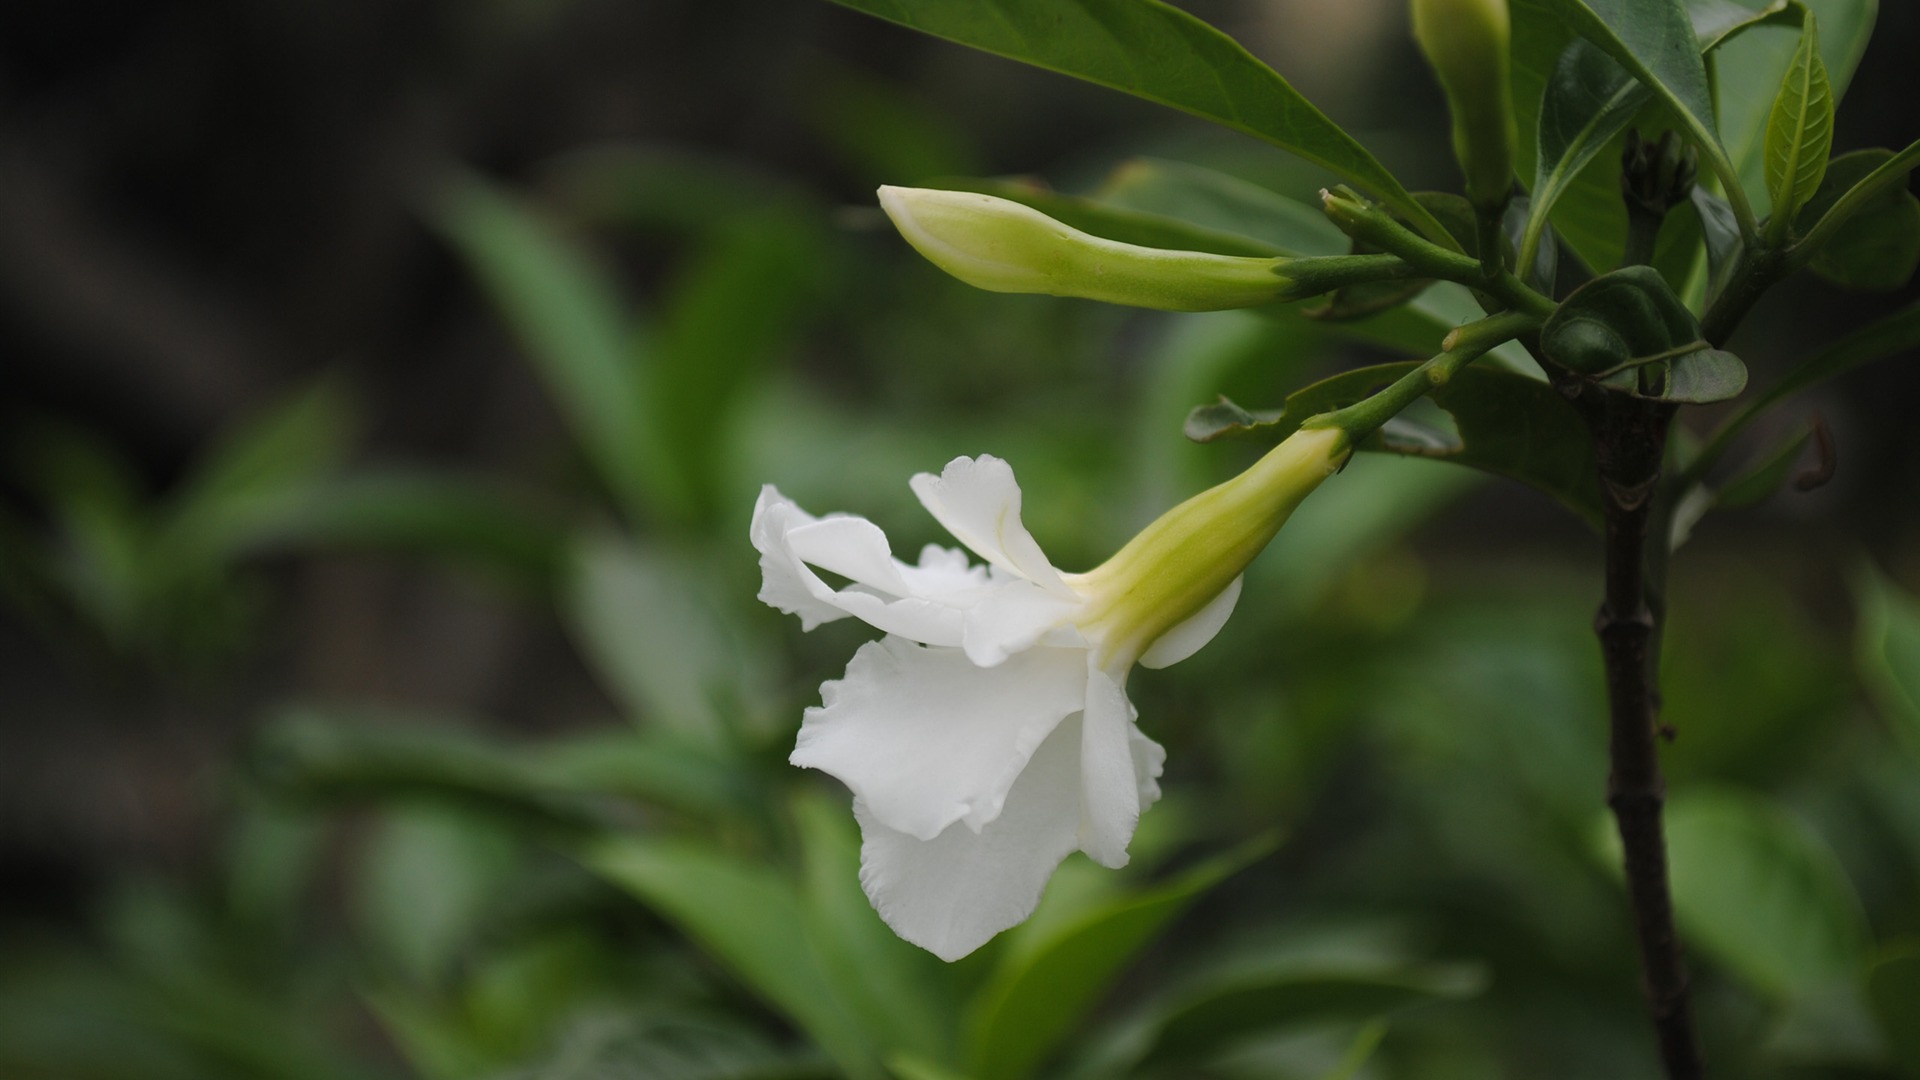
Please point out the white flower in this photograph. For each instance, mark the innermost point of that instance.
(989, 734)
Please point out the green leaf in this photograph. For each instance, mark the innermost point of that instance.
(1589, 100)
(573, 327)
(1222, 202)
(1047, 983)
(1158, 52)
(1749, 70)
(749, 918)
(1874, 243)
(1336, 974)
(902, 994)
(425, 883)
(645, 622)
(1654, 40)
(727, 311)
(1762, 893)
(1799, 132)
(293, 443)
(1631, 319)
(1889, 652)
(1893, 992)
(1715, 21)
(1507, 424)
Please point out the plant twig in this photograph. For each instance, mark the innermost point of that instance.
(1629, 438)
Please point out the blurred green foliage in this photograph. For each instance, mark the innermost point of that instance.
(408, 895)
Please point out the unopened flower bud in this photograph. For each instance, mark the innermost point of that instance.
(1188, 556)
(1004, 246)
(1466, 42)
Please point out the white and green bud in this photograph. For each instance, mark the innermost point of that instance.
(1182, 562)
(1466, 42)
(1003, 246)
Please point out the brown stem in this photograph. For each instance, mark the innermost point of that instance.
(1629, 437)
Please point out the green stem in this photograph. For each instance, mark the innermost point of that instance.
(1462, 347)
(1369, 225)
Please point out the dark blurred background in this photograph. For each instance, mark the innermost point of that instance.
(205, 206)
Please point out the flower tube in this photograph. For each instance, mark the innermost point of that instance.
(988, 735)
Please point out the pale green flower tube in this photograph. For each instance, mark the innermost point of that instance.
(1188, 556)
(1466, 42)
(1002, 246)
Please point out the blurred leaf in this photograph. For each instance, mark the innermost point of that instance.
(1163, 54)
(1893, 992)
(574, 330)
(1507, 424)
(1749, 69)
(1364, 1044)
(273, 856)
(426, 880)
(748, 917)
(878, 128)
(1265, 986)
(672, 188)
(1047, 983)
(1889, 652)
(659, 644)
(662, 1045)
(657, 767)
(902, 994)
(452, 519)
(291, 444)
(1799, 130)
(1761, 893)
(726, 313)
(1766, 476)
(1879, 245)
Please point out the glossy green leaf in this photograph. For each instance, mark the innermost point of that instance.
(1715, 21)
(1588, 101)
(1507, 424)
(1222, 202)
(902, 994)
(573, 327)
(1761, 893)
(1048, 982)
(1799, 132)
(1749, 70)
(1874, 243)
(1889, 652)
(748, 917)
(1618, 321)
(1654, 40)
(1163, 54)
(1893, 993)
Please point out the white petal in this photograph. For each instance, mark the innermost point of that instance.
(1110, 784)
(785, 582)
(951, 894)
(978, 501)
(1149, 760)
(924, 604)
(1187, 638)
(1010, 617)
(925, 738)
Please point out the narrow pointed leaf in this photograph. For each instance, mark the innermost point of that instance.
(1156, 51)
(1799, 131)
(1045, 988)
